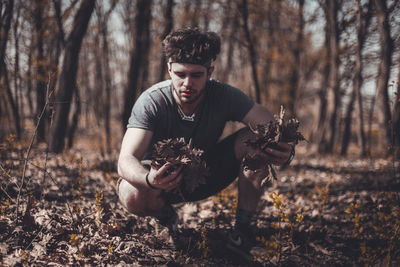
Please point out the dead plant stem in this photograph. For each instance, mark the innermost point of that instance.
(48, 93)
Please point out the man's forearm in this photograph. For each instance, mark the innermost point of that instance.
(131, 169)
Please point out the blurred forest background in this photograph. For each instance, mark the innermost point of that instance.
(70, 69)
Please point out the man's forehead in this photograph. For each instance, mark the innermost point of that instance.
(187, 67)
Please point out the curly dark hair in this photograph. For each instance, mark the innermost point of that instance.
(192, 46)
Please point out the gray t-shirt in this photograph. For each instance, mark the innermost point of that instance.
(157, 111)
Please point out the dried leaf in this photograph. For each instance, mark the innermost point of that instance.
(177, 152)
(268, 135)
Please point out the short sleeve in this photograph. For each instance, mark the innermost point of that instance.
(239, 104)
(144, 113)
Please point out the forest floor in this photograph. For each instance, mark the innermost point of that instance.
(322, 211)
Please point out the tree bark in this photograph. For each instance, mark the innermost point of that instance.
(334, 60)
(39, 7)
(169, 24)
(386, 43)
(243, 7)
(362, 26)
(142, 20)
(298, 47)
(67, 80)
(11, 101)
(396, 119)
(107, 77)
(4, 30)
(323, 106)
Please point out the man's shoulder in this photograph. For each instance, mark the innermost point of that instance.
(158, 93)
(159, 88)
(221, 89)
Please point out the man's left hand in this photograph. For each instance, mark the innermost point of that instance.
(280, 154)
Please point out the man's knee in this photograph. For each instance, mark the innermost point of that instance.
(136, 202)
(240, 146)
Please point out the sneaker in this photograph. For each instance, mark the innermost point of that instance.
(241, 242)
(169, 219)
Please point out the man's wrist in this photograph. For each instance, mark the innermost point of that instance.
(149, 184)
(291, 157)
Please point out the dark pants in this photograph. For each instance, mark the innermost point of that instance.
(223, 166)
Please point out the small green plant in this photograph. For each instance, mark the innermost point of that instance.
(285, 227)
(202, 244)
(99, 196)
(353, 210)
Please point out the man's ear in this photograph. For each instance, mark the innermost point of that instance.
(169, 67)
(210, 71)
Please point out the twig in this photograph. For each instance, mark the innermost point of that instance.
(1, 187)
(57, 184)
(41, 229)
(30, 148)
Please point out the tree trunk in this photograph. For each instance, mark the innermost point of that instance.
(334, 70)
(362, 26)
(298, 47)
(67, 80)
(322, 128)
(386, 43)
(169, 24)
(231, 25)
(396, 120)
(243, 8)
(347, 122)
(29, 78)
(11, 101)
(75, 119)
(41, 95)
(108, 85)
(142, 20)
(4, 30)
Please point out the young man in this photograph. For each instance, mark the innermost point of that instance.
(193, 106)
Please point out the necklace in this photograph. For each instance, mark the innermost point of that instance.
(184, 117)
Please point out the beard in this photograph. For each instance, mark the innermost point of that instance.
(195, 96)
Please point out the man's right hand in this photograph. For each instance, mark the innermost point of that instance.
(163, 179)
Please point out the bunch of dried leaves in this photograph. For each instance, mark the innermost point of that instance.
(177, 152)
(268, 135)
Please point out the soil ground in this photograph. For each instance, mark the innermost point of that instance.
(322, 211)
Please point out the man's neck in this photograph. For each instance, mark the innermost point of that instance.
(188, 109)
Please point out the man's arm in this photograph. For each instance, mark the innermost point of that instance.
(134, 145)
(259, 114)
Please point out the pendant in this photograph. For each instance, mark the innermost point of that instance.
(187, 118)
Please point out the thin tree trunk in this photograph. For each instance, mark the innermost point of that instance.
(194, 15)
(362, 26)
(323, 107)
(294, 79)
(396, 120)
(136, 59)
(67, 80)
(40, 70)
(347, 122)
(29, 78)
(107, 80)
(230, 27)
(17, 87)
(14, 108)
(6, 25)
(386, 43)
(243, 7)
(75, 119)
(169, 24)
(334, 71)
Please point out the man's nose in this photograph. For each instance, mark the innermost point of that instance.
(187, 82)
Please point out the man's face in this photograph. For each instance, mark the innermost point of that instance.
(189, 81)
